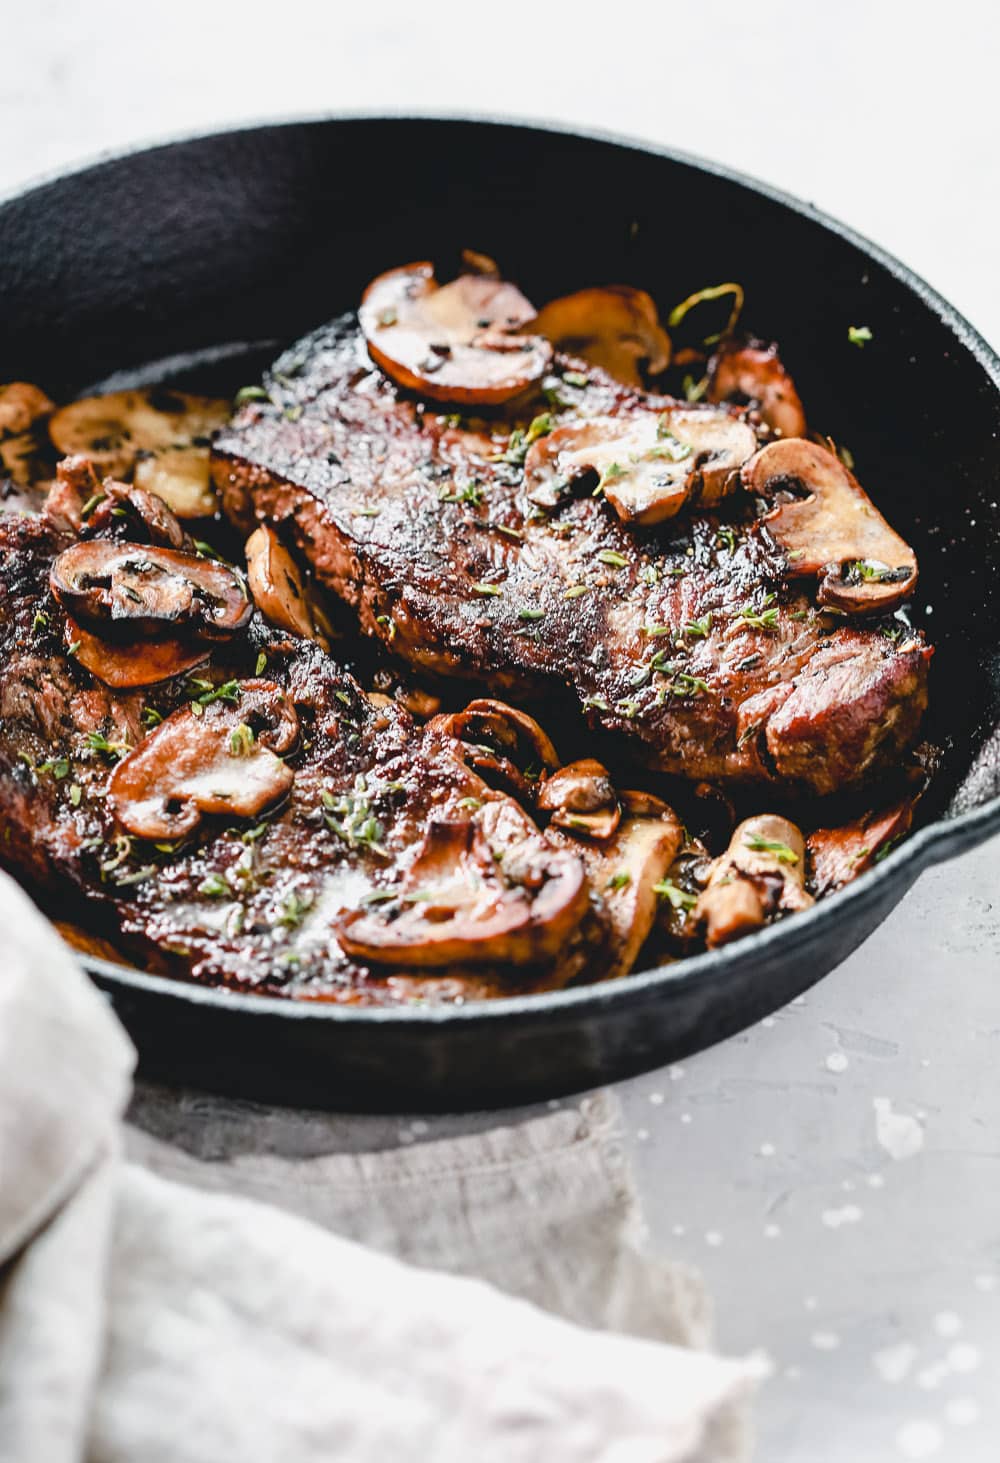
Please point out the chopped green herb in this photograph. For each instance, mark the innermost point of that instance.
(575, 591)
(388, 623)
(241, 741)
(619, 881)
(471, 493)
(250, 393)
(520, 441)
(367, 512)
(74, 649)
(292, 413)
(294, 908)
(670, 447)
(695, 390)
(58, 766)
(91, 504)
(781, 851)
(679, 898)
(613, 557)
(531, 614)
(699, 629)
(597, 702)
(763, 619)
(213, 886)
(151, 717)
(41, 621)
(575, 378)
(628, 709)
(75, 794)
(859, 335)
(611, 474)
(725, 538)
(207, 693)
(261, 665)
(487, 589)
(654, 630)
(469, 804)
(98, 742)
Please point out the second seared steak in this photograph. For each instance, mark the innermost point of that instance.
(687, 639)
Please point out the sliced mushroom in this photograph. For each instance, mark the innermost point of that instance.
(753, 375)
(452, 342)
(455, 907)
(838, 855)
(278, 587)
(139, 663)
(161, 436)
(76, 483)
(649, 464)
(626, 869)
(507, 747)
(581, 798)
(828, 527)
(190, 766)
(130, 513)
(23, 408)
(139, 590)
(761, 875)
(616, 328)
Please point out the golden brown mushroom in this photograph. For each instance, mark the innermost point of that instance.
(159, 437)
(761, 875)
(278, 587)
(581, 798)
(753, 375)
(124, 665)
(452, 342)
(222, 762)
(616, 328)
(838, 855)
(138, 590)
(828, 527)
(23, 408)
(506, 746)
(649, 464)
(456, 906)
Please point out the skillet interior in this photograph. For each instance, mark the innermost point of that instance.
(201, 247)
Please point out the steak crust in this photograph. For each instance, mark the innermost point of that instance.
(252, 904)
(685, 641)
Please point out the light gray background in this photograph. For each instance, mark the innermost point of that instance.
(864, 1259)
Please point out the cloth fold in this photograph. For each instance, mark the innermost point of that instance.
(184, 1310)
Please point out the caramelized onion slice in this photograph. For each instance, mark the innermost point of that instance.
(452, 342)
(142, 590)
(649, 464)
(123, 665)
(616, 328)
(456, 907)
(190, 766)
(829, 527)
(761, 875)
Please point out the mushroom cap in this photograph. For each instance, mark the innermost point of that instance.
(127, 664)
(615, 327)
(761, 874)
(138, 590)
(828, 527)
(507, 747)
(190, 766)
(456, 908)
(649, 464)
(754, 373)
(452, 342)
(277, 586)
(581, 798)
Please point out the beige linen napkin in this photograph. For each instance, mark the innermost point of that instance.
(178, 1322)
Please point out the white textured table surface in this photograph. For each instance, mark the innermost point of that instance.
(835, 1170)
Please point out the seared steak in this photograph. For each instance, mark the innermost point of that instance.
(684, 639)
(353, 828)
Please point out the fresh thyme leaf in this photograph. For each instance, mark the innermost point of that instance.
(59, 767)
(261, 665)
(241, 741)
(531, 614)
(763, 619)
(471, 493)
(151, 717)
(859, 335)
(679, 898)
(250, 393)
(213, 886)
(597, 702)
(575, 378)
(75, 794)
(487, 589)
(700, 297)
(41, 621)
(98, 742)
(695, 390)
(229, 692)
(726, 538)
(575, 591)
(699, 629)
(390, 624)
(619, 881)
(781, 851)
(613, 557)
(294, 908)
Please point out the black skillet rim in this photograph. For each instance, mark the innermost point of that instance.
(943, 839)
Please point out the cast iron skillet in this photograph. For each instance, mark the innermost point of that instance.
(194, 249)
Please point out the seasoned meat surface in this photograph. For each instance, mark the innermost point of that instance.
(382, 813)
(684, 640)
